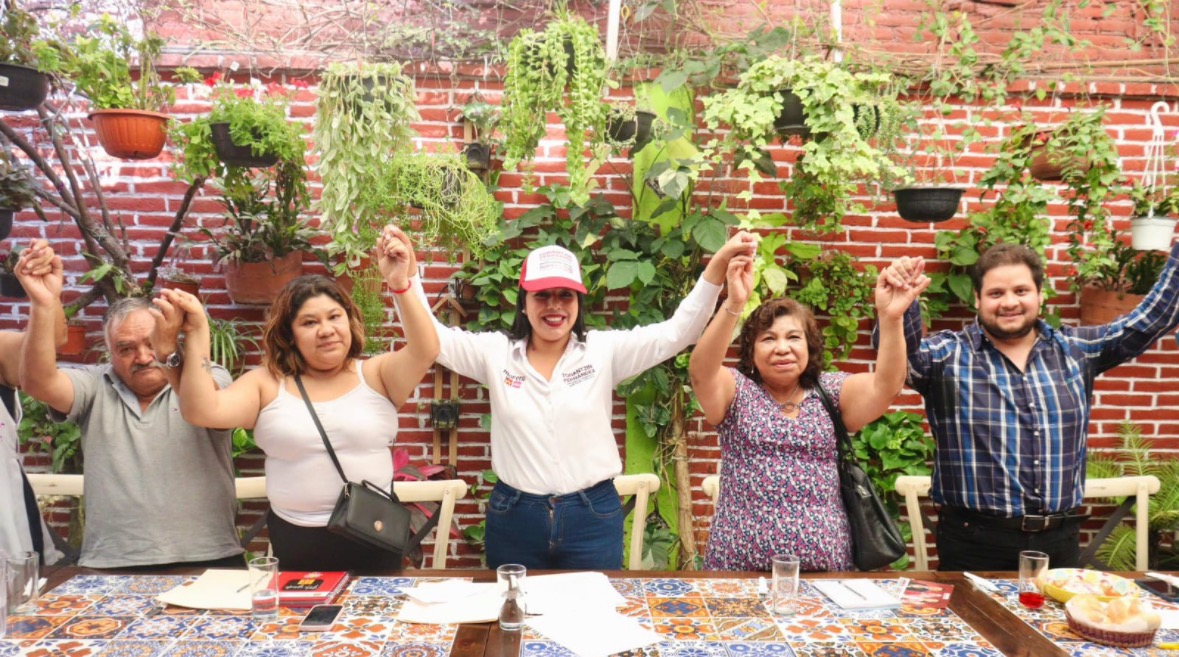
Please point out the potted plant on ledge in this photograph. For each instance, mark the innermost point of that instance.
(128, 112)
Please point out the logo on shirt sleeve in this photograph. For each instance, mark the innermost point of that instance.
(579, 375)
(513, 380)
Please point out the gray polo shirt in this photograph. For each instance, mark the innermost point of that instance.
(158, 490)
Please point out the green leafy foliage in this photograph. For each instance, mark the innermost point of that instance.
(836, 287)
(19, 37)
(364, 113)
(99, 61)
(61, 440)
(18, 188)
(229, 341)
(262, 220)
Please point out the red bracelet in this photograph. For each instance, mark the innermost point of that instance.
(407, 289)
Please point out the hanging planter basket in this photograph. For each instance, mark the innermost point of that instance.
(792, 119)
(1100, 306)
(478, 156)
(1152, 233)
(22, 88)
(927, 204)
(235, 155)
(6, 215)
(130, 134)
(637, 127)
(260, 282)
(10, 287)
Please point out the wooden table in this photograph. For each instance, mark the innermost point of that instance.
(998, 626)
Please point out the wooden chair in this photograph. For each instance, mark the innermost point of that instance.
(65, 485)
(641, 486)
(1136, 490)
(445, 493)
(711, 487)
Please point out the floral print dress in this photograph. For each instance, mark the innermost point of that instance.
(780, 486)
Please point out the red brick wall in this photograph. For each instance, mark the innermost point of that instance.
(145, 198)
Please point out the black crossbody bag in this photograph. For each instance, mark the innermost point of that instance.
(876, 541)
(364, 512)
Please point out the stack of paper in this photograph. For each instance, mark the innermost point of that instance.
(214, 589)
(856, 593)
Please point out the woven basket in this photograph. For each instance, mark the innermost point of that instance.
(1109, 637)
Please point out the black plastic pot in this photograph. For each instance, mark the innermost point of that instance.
(792, 119)
(638, 127)
(865, 131)
(927, 204)
(478, 156)
(22, 88)
(234, 155)
(10, 287)
(6, 222)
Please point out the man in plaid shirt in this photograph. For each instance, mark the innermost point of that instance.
(1008, 401)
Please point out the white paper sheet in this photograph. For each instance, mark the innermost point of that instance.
(594, 633)
(467, 602)
(479, 608)
(856, 593)
(214, 589)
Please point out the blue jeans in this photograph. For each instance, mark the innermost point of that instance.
(577, 531)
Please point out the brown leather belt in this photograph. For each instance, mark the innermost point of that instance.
(1029, 524)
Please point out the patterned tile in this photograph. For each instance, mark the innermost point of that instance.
(635, 607)
(65, 605)
(122, 605)
(91, 584)
(877, 629)
(274, 649)
(359, 628)
(66, 649)
(736, 608)
(827, 650)
(152, 584)
(348, 649)
(136, 648)
(725, 588)
(220, 628)
(9, 648)
(667, 588)
(692, 649)
(649, 651)
(544, 649)
(283, 628)
(940, 628)
(685, 629)
(422, 633)
(379, 585)
(372, 605)
(817, 629)
(967, 650)
(759, 650)
(202, 649)
(894, 649)
(416, 650)
(160, 626)
(92, 627)
(747, 629)
(627, 587)
(33, 627)
(680, 607)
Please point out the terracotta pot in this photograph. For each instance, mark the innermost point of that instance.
(130, 134)
(260, 282)
(234, 155)
(193, 287)
(1100, 306)
(1046, 166)
(21, 87)
(75, 342)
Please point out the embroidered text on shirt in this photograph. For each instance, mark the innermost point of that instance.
(583, 373)
(513, 380)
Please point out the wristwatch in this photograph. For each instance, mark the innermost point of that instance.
(173, 360)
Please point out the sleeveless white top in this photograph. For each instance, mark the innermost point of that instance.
(301, 482)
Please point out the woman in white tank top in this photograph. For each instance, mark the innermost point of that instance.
(315, 332)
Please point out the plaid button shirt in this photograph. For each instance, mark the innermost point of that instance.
(1012, 443)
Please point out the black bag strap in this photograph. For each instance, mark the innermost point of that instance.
(843, 440)
(415, 538)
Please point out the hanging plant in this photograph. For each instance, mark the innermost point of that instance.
(568, 53)
(363, 117)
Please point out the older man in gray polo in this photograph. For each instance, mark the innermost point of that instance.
(158, 490)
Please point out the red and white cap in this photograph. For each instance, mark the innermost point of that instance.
(549, 267)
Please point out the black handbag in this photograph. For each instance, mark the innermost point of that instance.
(365, 512)
(876, 541)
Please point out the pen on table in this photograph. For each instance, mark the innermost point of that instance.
(763, 591)
(1168, 646)
(855, 592)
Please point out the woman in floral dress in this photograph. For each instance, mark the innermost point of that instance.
(779, 483)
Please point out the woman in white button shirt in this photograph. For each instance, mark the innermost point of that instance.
(551, 385)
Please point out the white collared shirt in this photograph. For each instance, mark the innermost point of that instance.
(552, 437)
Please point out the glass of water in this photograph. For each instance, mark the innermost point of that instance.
(263, 572)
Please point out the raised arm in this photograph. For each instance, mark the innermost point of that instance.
(41, 274)
(37, 260)
(201, 402)
(401, 371)
(867, 396)
(713, 384)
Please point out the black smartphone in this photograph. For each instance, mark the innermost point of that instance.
(320, 618)
(1160, 588)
